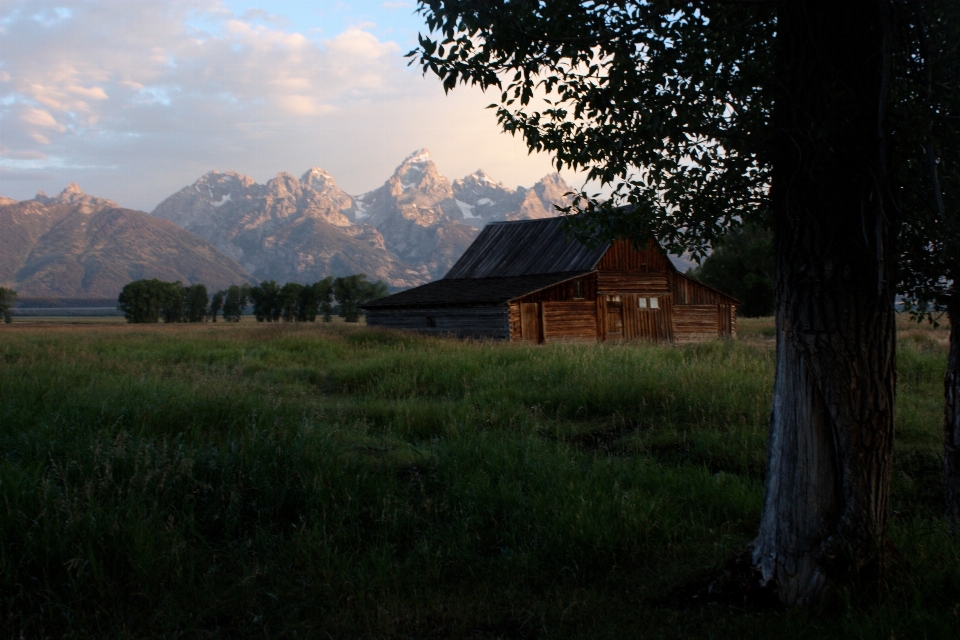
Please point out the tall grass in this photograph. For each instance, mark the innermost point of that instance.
(300, 481)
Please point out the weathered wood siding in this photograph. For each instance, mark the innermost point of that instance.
(513, 318)
(648, 324)
(553, 314)
(695, 322)
(572, 321)
(619, 282)
(564, 291)
(686, 290)
(634, 294)
(622, 256)
(531, 322)
(728, 320)
(468, 322)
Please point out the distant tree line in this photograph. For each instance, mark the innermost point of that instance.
(741, 265)
(7, 298)
(145, 301)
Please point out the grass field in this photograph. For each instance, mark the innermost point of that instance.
(299, 481)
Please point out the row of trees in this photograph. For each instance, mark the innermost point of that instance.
(7, 298)
(146, 301)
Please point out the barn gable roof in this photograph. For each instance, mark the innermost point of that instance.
(525, 248)
(468, 292)
(508, 260)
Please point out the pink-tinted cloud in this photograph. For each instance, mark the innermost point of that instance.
(136, 99)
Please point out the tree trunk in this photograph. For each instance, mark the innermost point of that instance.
(951, 417)
(831, 427)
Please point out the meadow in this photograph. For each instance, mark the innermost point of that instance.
(311, 480)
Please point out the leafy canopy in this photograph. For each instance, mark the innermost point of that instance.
(928, 114)
(665, 102)
(671, 105)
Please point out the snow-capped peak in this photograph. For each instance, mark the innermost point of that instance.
(483, 177)
(419, 157)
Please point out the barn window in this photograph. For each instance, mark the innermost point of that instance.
(654, 303)
(641, 303)
(578, 289)
(431, 321)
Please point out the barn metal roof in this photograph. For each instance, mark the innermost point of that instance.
(524, 248)
(469, 292)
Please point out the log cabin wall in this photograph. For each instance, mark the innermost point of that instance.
(645, 323)
(632, 280)
(686, 290)
(564, 291)
(695, 322)
(728, 320)
(526, 281)
(699, 312)
(564, 312)
(623, 256)
(464, 322)
(634, 286)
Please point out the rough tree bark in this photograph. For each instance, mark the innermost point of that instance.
(831, 427)
(951, 418)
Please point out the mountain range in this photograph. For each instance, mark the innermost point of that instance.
(225, 228)
(76, 245)
(409, 231)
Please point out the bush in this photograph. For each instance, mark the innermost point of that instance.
(7, 298)
(144, 301)
(742, 266)
(352, 291)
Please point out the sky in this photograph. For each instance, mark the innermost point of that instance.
(135, 99)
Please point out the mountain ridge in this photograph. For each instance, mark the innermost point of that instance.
(406, 232)
(77, 245)
(226, 228)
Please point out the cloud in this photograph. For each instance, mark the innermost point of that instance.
(106, 65)
(136, 99)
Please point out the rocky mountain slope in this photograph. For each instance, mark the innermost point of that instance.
(287, 229)
(76, 245)
(406, 232)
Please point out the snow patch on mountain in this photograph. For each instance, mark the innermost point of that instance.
(360, 209)
(419, 157)
(467, 210)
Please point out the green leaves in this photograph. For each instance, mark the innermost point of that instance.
(298, 302)
(7, 298)
(639, 100)
(352, 291)
(742, 265)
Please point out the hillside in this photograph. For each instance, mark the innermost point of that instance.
(76, 245)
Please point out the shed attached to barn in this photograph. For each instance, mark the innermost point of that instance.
(529, 281)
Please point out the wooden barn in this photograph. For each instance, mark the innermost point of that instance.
(529, 281)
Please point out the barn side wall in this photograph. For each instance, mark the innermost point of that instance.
(560, 317)
(574, 321)
(699, 312)
(464, 322)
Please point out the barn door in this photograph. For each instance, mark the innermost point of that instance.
(530, 329)
(614, 317)
(647, 317)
